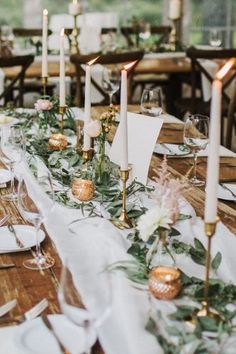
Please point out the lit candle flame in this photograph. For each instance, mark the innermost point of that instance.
(91, 62)
(225, 69)
(45, 12)
(62, 32)
(130, 65)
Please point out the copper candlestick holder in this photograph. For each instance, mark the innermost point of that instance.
(44, 80)
(62, 111)
(123, 222)
(74, 38)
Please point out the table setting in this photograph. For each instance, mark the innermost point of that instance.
(114, 236)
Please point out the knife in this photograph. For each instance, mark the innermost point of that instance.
(6, 266)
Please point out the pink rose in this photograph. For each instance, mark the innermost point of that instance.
(43, 105)
(93, 129)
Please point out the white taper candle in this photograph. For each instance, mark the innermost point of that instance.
(62, 69)
(123, 121)
(45, 44)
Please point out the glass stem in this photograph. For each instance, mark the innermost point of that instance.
(37, 228)
(110, 98)
(194, 165)
(12, 186)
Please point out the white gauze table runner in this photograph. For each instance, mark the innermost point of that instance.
(124, 330)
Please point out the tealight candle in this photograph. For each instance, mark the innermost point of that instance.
(164, 282)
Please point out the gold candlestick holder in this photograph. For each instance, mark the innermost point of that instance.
(123, 222)
(44, 80)
(87, 155)
(74, 38)
(173, 39)
(62, 111)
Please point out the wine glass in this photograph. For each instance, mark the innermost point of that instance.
(151, 102)
(85, 297)
(110, 81)
(12, 150)
(36, 213)
(215, 38)
(196, 137)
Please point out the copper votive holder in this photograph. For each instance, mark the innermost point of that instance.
(164, 282)
(82, 189)
(57, 142)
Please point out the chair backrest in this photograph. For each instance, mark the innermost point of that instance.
(197, 67)
(132, 34)
(107, 59)
(29, 32)
(23, 62)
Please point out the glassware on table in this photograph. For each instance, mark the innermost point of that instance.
(215, 38)
(196, 138)
(93, 290)
(111, 80)
(151, 102)
(36, 213)
(145, 31)
(12, 150)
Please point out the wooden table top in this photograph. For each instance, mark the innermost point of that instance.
(29, 287)
(146, 66)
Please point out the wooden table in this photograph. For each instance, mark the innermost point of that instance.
(29, 287)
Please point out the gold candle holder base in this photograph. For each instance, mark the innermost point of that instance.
(62, 111)
(87, 155)
(44, 80)
(123, 222)
(210, 228)
(74, 47)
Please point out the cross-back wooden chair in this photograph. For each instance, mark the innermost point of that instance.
(132, 34)
(107, 59)
(19, 65)
(197, 67)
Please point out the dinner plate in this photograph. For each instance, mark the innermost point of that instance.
(225, 194)
(33, 337)
(172, 149)
(25, 233)
(5, 176)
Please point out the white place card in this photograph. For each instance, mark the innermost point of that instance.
(143, 132)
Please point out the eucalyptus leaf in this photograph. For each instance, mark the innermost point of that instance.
(216, 261)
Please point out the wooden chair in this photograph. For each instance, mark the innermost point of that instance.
(231, 118)
(107, 59)
(17, 80)
(196, 103)
(132, 34)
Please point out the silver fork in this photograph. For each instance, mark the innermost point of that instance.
(28, 315)
(4, 219)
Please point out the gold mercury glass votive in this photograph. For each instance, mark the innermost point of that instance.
(57, 141)
(164, 282)
(82, 189)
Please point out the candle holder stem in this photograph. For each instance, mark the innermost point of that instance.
(44, 84)
(62, 111)
(74, 38)
(123, 222)
(173, 36)
(87, 155)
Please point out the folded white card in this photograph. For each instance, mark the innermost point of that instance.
(143, 132)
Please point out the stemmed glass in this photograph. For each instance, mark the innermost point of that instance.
(12, 150)
(151, 102)
(110, 81)
(196, 137)
(36, 213)
(85, 297)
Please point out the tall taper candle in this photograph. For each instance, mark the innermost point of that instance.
(174, 9)
(62, 70)
(213, 155)
(123, 122)
(87, 106)
(45, 44)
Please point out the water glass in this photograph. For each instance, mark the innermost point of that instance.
(151, 102)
